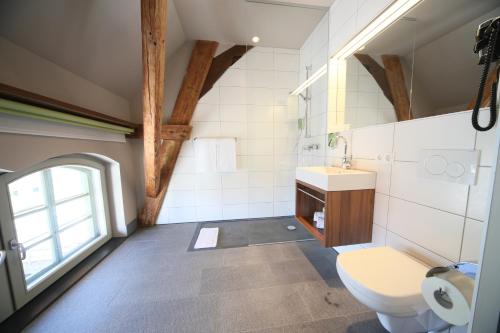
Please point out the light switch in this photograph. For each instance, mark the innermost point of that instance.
(457, 166)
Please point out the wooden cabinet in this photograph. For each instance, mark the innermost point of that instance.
(348, 214)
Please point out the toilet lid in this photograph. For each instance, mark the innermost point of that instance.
(385, 278)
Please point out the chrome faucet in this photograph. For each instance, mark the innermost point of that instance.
(333, 139)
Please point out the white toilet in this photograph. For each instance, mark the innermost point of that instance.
(389, 282)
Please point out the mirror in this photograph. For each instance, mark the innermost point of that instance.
(420, 66)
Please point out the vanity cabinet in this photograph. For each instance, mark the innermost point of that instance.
(348, 214)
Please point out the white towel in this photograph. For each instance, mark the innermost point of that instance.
(205, 150)
(320, 223)
(318, 215)
(226, 155)
(207, 238)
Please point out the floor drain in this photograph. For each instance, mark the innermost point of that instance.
(291, 227)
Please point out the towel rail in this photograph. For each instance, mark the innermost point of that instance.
(312, 196)
(217, 137)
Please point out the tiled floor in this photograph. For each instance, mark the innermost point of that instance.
(153, 284)
(254, 232)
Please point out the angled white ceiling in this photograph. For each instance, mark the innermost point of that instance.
(236, 21)
(99, 40)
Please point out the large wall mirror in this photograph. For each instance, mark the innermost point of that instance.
(422, 65)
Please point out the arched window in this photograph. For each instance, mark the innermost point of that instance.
(53, 215)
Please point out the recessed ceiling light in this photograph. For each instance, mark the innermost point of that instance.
(255, 39)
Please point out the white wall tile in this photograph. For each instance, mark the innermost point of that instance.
(236, 129)
(260, 163)
(259, 96)
(233, 95)
(205, 129)
(185, 165)
(260, 179)
(182, 182)
(406, 184)
(478, 204)
(281, 96)
(206, 112)
(368, 10)
(378, 235)
(424, 255)
(260, 194)
(209, 213)
(230, 113)
(235, 211)
(451, 131)
(181, 214)
(438, 231)
(260, 147)
(381, 209)
(260, 78)
(284, 208)
(260, 113)
(287, 80)
(256, 210)
(382, 169)
(206, 181)
(260, 60)
(284, 193)
(260, 130)
(235, 196)
(234, 78)
(211, 97)
(473, 233)
(208, 197)
(235, 180)
(284, 178)
(286, 62)
(368, 142)
(176, 198)
(486, 141)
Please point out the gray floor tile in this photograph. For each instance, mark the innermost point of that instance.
(260, 308)
(325, 302)
(152, 283)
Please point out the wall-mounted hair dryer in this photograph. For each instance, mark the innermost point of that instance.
(488, 48)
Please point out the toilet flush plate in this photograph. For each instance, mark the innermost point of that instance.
(451, 165)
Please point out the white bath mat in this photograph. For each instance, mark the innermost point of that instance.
(207, 238)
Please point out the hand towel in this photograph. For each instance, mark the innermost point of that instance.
(226, 155)
(205, 151)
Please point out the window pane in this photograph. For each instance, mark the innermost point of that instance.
(31, 226)
(38, 258)
(73, 210)
(69, 181)
(27, 192)
(75, 236)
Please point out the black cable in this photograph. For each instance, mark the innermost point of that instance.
(493, 107)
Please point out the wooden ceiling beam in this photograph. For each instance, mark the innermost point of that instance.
(176, 132)
(185, 104)
(154, 28)
(221, 63)
(377, 72)
(189, 94)
(395, 78)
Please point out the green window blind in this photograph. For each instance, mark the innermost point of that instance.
(35, 112)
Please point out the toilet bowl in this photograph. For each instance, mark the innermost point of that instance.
(389, 282)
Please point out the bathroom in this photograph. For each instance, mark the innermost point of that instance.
(328, 168)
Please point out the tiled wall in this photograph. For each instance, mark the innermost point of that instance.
(437, 221)
(314, 53)
(250, 102)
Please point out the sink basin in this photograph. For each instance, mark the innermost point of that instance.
(336, 179)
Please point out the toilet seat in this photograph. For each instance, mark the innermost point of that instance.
(384, 279)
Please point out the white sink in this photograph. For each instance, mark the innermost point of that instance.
(336, 179)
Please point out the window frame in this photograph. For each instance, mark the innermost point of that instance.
(23, 291)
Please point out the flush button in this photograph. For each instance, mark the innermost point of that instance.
(436, 165)
(455, 170)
